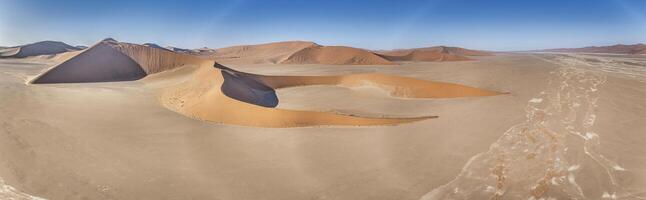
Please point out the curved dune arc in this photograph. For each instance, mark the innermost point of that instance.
(202, 98)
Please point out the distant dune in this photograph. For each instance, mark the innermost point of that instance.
(335, 55)
(614, 49)
(296, 52)
(36, 49)
(430, 54)
(273, 53)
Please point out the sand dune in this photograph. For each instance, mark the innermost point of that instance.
(335, 55)
(615, 49)
(36, 49)
(209, 95)
(273, 53)
(110, 60)
(439, 53)
(296, 52)
(205, 97)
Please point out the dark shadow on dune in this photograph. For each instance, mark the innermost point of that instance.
(100, 63)
(244, 87)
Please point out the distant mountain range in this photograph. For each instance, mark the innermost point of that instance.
(614, 49)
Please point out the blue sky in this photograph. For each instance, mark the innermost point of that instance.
(372, 24)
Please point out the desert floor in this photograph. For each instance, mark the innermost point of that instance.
(116, 141)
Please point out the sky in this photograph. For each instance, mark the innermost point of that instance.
(502, 25)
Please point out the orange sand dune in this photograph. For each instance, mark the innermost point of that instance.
(210, 95)
(203, 97)
(335, 55)
(36, 49)
(297, 52)
(273, 53)
(439, 53)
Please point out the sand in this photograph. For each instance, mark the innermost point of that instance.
(112, 140)
(430, 54)
(36, 49)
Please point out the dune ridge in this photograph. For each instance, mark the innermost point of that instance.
(36, 49)
(335, 55)
(273, 53)
(432, 54)
(297, 52)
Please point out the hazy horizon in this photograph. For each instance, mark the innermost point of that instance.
(499, 25)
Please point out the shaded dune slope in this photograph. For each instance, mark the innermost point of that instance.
(110, 60)
(36, 49)
(432, 54)
(101, 63)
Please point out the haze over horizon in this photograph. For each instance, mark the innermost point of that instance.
(499, 25)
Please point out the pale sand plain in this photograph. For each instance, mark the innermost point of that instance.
(116, 141)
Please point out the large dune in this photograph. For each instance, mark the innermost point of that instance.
(614, 49)
(297, 52)
(36, 49)
(430, 54)
(110, 60)
(209, 95)
(205, 96)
